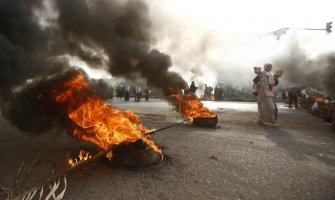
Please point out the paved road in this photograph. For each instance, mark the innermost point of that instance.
(236, 160)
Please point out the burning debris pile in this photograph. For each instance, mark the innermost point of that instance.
(97, 121)
(102, 124)
(66, 99)
(190, 106)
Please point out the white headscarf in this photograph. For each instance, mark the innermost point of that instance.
(265, 77)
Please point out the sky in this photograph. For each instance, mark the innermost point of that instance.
(249, 16)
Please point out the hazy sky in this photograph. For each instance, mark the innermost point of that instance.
(251, 16)
(215, 39)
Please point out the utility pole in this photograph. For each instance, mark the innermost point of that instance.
(282, 31)
(328, 28)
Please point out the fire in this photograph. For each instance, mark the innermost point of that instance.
(83, 155)
(97, 121)
(189, 105)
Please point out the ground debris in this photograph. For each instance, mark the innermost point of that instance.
(213, 157)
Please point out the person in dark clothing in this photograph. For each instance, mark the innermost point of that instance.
(126, 95)
(293, 94)
(220, 94)
(283, 95)
(206, 93)
(146, 94)
(138, 94)
(193, 88)
(216, 93)
(118, 92)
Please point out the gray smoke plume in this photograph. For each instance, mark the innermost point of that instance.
(114, 35)
(299, 70)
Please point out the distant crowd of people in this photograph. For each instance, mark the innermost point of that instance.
(208, 92)
(124, 92)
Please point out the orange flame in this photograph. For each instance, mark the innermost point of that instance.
(189, 105)
(83, 155)
(99, 122)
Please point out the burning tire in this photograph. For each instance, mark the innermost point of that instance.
(205, 121)
(136, 155)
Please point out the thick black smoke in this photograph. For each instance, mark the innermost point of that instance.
(26, 50)
(301, 71)
(329, 74)
(34, 108)
(111, 34)
(121, 32)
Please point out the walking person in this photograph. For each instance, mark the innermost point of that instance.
(146, 94)
(138, 94)
(127, 92)
(206, 92)
(193, 88)
(265, 81)
(293, 94)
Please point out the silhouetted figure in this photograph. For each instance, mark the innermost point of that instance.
(185, 91)
(138, 94)
(221, 94)
(146, 94)
(206, 93)
(193, 88)
(293, 94)
(218, 92)
(118, 92)
(284, 95)
(126, 95)
(111, 92)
